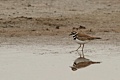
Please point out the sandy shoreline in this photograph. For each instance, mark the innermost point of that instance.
(35, 41)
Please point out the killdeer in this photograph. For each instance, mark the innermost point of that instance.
(81, 39)
(82, 62)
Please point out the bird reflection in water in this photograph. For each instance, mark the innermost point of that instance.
(82, 62)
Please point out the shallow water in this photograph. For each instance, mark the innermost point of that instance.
(31, 62)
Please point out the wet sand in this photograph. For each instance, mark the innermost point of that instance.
(52, 60)
(35, 42)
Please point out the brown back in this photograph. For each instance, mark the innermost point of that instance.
(86, 37)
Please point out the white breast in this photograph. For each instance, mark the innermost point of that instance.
(80, 41)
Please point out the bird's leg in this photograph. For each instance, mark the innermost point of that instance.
(76, 49)
(79, 54)
(83, 54)
(82, 50)
(82, 47)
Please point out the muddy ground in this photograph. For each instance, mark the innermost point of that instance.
(35, 41)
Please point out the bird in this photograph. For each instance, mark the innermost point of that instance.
(82, 62)
(81, 39)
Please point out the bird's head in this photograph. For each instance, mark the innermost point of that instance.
(73, 33)
(73, 68)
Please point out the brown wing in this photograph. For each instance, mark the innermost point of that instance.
(84, 37)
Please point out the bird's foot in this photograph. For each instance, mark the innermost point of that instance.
(73, 51)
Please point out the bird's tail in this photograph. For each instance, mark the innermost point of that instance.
(92, 38)
(95, 62)
(97, 38)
